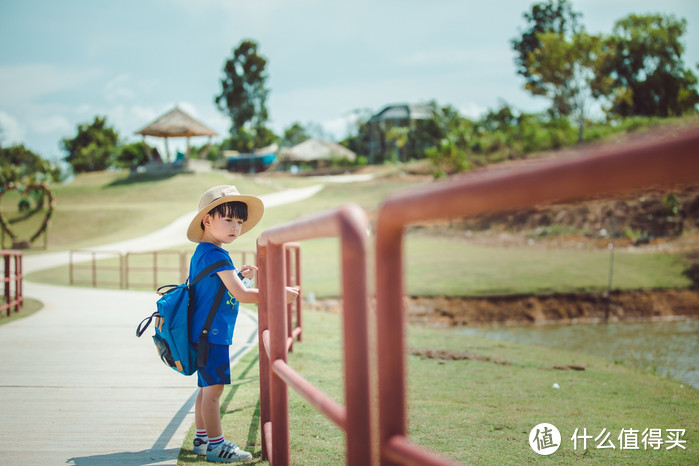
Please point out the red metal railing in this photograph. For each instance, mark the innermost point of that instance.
(100, 264)
(12, 258)
(293, 278)
(73, 265)
(350, 224)
(589, 172)
(155, 267)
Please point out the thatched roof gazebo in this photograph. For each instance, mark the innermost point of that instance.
(316, 150)
(176, 124)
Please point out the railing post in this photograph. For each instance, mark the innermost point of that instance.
(263, 325)
(289, 315)
(19, 279)
(183, 267)
(353, 226)
(94, 269)
(7, 274)
(390, 328)
(126, 270)
(71, 279)
(122, 273)
(279, 396)
(299, 301)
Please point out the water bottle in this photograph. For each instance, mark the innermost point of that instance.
(246, 281)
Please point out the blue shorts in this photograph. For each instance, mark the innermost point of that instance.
(218, 368)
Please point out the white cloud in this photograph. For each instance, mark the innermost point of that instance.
(10, 131)
(450, 57)
(472, 110)
(339, 128)
(26, 83)
(52, 124)
(118, 89)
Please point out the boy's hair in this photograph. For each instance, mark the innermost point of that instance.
(234, 209)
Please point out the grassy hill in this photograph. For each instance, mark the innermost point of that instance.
(100, 208)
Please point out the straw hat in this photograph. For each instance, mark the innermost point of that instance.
(220, 195)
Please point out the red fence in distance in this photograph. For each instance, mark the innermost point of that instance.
(12, 281)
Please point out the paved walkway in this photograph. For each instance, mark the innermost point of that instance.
(78, 387)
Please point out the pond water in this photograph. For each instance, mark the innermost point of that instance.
(668, 348)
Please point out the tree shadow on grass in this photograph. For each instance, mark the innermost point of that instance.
(692, 272)
(141, 178)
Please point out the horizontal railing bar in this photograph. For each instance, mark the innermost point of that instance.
(333, 410)
(10, 304)
(297, 331)
(402, 450)
(320, 225)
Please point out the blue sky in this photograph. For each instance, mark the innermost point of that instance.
(63, 62)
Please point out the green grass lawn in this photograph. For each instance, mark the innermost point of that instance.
(440, 267)
(104, 207)
(29, 307)
(475, 411)
(471, 410)
(100, 208)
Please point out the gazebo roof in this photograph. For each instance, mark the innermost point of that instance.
(176, 123)
(316, 149)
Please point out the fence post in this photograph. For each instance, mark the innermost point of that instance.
(390, 328)
(263, 359)
(70, 267)
(94, 269)
(122, 272)
(183, 267)
(19, 281)
(7, 284)
(279, 394)
(299, 301)
(289, 315)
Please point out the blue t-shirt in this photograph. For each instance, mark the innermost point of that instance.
(221, 331)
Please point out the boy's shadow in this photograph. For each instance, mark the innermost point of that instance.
(128, 457)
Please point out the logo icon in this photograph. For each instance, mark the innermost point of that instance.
(545, 439)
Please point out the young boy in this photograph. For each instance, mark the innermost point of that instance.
(224, 214)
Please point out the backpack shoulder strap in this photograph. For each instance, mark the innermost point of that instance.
(217, 299)
(208, 270)
(214, 308)
(203, 341)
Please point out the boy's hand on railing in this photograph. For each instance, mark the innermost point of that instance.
(248, 271)
(292, 292)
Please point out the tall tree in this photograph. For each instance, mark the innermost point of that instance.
(243, 97)
(551, 17)
(565, 70)
(93, 147)
(20, 165)
(642, 69)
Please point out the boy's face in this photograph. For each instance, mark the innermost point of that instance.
(221, 230)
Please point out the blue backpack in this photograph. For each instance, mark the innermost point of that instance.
(173, 321)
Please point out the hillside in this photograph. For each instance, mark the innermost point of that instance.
(547, 255)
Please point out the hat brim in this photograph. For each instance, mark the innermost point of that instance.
(255, 210)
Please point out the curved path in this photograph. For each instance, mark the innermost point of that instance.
(78, 387)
